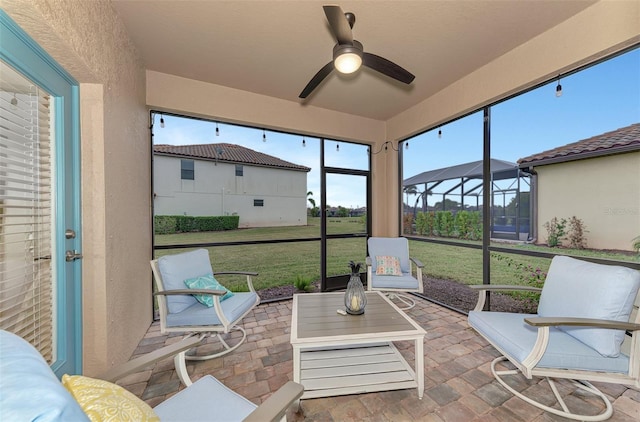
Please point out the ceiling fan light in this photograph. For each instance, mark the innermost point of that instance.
(347, 63)
(347, 58)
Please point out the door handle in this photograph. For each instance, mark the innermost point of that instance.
(72, 255)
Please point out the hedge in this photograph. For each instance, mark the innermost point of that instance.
(169, 224)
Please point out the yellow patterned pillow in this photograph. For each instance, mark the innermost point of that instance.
(104, 401)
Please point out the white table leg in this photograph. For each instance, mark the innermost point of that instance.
(420, 365)
(296, 363)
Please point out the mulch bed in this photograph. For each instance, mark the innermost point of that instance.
(448, 292)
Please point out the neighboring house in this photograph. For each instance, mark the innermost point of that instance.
(227, 179)
(596, 180)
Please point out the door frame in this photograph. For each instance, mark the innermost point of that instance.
(20, 51)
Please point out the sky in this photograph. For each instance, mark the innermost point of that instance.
(596, 100)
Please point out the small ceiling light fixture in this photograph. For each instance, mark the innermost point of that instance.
(439, 133)
(559, 88)
(264, 136)
(347, 58)
(406, 145)
(304, 143)
(161, 121)
(217, 130)
(337, 147)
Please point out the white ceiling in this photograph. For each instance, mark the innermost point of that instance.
(273, 48)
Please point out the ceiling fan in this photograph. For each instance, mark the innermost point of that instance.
(348, 54)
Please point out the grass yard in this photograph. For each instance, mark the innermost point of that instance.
(281, 264)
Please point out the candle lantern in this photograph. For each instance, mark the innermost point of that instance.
(355, 299)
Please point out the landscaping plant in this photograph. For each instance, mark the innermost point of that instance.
(555, 231)
(576, 234)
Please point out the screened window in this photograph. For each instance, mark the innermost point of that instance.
(26, 273)
(187, 170)
(239, 170)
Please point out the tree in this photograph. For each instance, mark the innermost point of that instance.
(410, 190)
(311, 200)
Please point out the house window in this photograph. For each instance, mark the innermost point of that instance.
(239, 170)
(258, 202)
(186, 170)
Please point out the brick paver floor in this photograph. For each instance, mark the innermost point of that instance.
(458, 381)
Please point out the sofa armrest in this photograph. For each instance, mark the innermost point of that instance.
(581, 322)
(275, 407)
(483, 289)
(136, 364)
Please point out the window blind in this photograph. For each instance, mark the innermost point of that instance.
(26, 198)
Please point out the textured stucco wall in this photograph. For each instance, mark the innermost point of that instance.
(89, 41)
(603, 192)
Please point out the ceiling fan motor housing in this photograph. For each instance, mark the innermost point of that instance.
(347, 58)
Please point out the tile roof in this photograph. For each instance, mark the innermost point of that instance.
(227, 153)
(625, 139)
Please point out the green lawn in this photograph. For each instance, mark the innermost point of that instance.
(281, 264)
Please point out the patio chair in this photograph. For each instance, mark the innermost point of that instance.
(31, 391)
(587, 329)
(205, 307)
(390, 269)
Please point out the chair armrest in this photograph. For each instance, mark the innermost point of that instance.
(190, 292)
(581, 322)
(417, 262)
(488, 287)
(248, 274)
(368, 261)
(483, 289)
(275, 407)
(235, 273)
(136, 364)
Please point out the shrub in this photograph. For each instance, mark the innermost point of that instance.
(466, 224)
(407, 224)
(425, 223)
(636, 245)
(476, 225)
(444, 223)
(164, 224)
(576, 234)
(555, 231)
(302, 283)
(169, 224)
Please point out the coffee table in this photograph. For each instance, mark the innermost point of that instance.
(337, 354)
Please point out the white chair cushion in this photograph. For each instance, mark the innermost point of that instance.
(406, 281)
(575, 288)
(175, 269)
(516, 338)
(198, 314)
(205, 400)
(30, 390)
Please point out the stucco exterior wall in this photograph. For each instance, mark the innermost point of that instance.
(603, 192)
(216, 190)
(88, 39)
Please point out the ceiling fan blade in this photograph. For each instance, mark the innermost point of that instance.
(339, 24)
(386, 67)
(315, 81)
